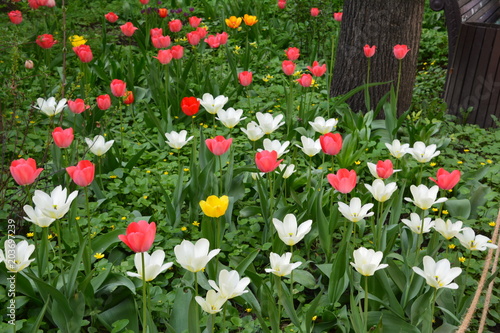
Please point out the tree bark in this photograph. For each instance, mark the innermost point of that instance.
(383, 23)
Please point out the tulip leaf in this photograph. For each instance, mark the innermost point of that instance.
(392, 323)
(114, 281)
(243, 265)
(459, 208)
(133, 161)
(249, 297)
(420, 307)
(287, 302)
(126, 309)
(305, 278)
(180, 316)
(101, 243)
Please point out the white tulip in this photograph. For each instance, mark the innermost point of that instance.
(288, 231)
(354, 212)
(447, 229)
(380, 191)
(194, 257)
(98, 146)
(213, 302)
(17, 256)
(424, 197)
(230, 117)
(280, 265)
(323, 126)
(49, 106)
(397, 149)
(473, 242)
(177, 140)
(230, 285)
(55, 205)
(289, 170)
(423, 153)
(438, 274)
(268, 123)
(253, 131)
(416, 225)
(366, 262)
(153, 264)
(211, 104)
(36, 216)
(275, 145)
(310, 146)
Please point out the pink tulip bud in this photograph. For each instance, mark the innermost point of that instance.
(369, 50)
(400, 51)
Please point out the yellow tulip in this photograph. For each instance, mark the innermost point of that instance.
(233, 22)
(77, 40)
(250, 19)
(214, 206)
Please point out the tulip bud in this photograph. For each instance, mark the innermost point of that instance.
(29, 64)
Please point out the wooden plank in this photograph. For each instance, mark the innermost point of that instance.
(468, 8)
(494, 69)
(484, 13)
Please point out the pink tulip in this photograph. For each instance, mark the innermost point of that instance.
(160, 42)
(177, 51)
(245, 78)
(219, 145)
(139, 236)
(77, 106)
(194, 21)
(337, 17)
(288, 67)
(84, 53)
(267, 161)
(16, 16)
(83, 173)
(305, 80)
(292, 53)
(400, 51)
(344, 181)
(164, 56)
(103, 102)
(63, 137)
(155, 32)
(111, 17)
(193, 38)
(175, 25)
(369, 50)
(281, 4)
(316, 69)
(118, 87)
(212, 41)
(128, 29)
(384, 169)
(223, 36)
(331, 143)
(24, 171)
(315, 12)
(446, 180)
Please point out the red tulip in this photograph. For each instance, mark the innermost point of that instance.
(164, 56)
(139, 236)
(77, 106)
(128, 98)
(202, 32)
(63, 137)
(193, 38)
(222, 37)
(128, 29)
(111, 17)
(337, 17)
(331, 143)
(446, 180)
(163, 12)
(400, 51)
(194, 21)
(316, 69)
(219, 145)
(344, 181)
(118, 88)
(385, 169)
(175, 25)
(305, 80)
(155, 32)
(46, 41)
(33, 4)
(144, 2)
(267, 161)
(103, 102)
(160, 42)
(369, 50)
(16, 16)
(292, 53)
(245, 78)
(177, 51)
(84, 53)
(281, 4)
(212, 41)
(315, 11)
(24, 171)
(190, 105)
(83, 173)
(288, 67)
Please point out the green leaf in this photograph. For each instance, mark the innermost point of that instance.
(114, 281)
(458, 208)
(305, 278)
(243, 265)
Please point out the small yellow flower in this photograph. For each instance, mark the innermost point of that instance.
(492, 224)
(445, 212)
(314, 318)
(124, 218)
(165, 173)
(98, 255)
(432, 164)
(434, 209)
(171, 153)
(461, 259)
(30, 234)
(112, 176)
(357, 162)
(77, 40)
(49, 237)
(32, 122)
(77, 218)
(164, 160)
(205, 126)
(112, 227)
(248, 310)
(233, 22)
(214, 206)
(253, 44)
(183, 229)
(451, 246)
(466, 150)
(460, 162)
(148, 171)
(250, 19)
(145, 197)
(482, 163)
(186, 169)
(489, 161)
(196, 223)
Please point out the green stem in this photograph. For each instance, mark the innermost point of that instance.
(433, 305)
(291, 273)
(399, 80)
(89, 227)
(196, 312)
(223, 317)
(144, 296)
(366, 304)
(220, 174)
(59, 241)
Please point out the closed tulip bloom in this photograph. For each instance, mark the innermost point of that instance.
(144, 2)
(218, 145)
(446, 180)
(36, 216)
(253, 131)
(287, 170)
(355, 212)
(55, 205)
(177, 51)
(281, 4)
(202, 32)
(288, 67)
(153, 265)
(331, 143)
(381, 170)
(98, 146)
(310, 147)
(369, 50)
(194, 21)
(305, 80)
(164, 56)
(288, 231)
(380, 191)
(46, 41)
(214, 206)
(16, 16)
(315, 12)
(50, 107)
(213, 302)
(417, 225)
(292, 53)
(245, 78)
(267, 161)
(344, 181)
(156, 32)
(33, 4)
(230, 117)
(367, 261)
(280, 265)
(213, 41)
(323, 126)
(83, 173)
(50, 3)
(84, 53)
(268, 123)
(213, 105)
(400, 51)
(438, 274)
(473, 242)
(128, 29)
(423, 153)
(193, 38)
(397, 149)
(24, 171)
(175, 25)
(177, 140)
(316, 69)
(17, 256)
(230, 285)
(194, 257)
(424, 197)
(222, 37)
(250, 19)
(28, 64)
(111, 17)
(77, 106)
(118, 87)
(162, 12)
(103, 102)
(276, 145)
(190, 106)
(160, 42)
(63, 137)
(448, 229)
(233, 22)
(139, 236)
(337, 17)
(128, 98)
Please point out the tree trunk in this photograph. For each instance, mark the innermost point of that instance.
(383, 23)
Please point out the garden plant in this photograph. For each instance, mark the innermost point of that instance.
(180, 166)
